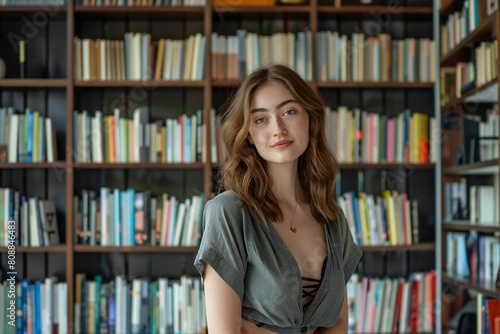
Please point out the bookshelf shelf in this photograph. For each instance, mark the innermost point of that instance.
(133, 249)
(147, 84)
(264, 10)
(449, 8)
(44, 249)
(19, 11)
(35, 165)
(478, 168)
(360, 10)
(138, 12)
(139, 165)
(389, 248)
(466, 226)
(375, 84)
(484, 32)
(343, 84)
(489, 289)
(42, 83)
(487, 93)
(406, 166)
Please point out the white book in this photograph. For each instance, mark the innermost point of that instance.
(172, 221)
(85, 59)
(13, 138)
(35, 240)
(180, 222)
(62, 297)
(104, 217)
(136, 306)
(405, 309)
(162, 305)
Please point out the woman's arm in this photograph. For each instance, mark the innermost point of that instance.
(223, 306)
(342, 323)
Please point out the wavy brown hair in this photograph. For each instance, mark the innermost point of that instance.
(244, 171)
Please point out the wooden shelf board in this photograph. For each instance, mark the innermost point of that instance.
(487, 93)
(484, 32)
(451, 7)
(405, 166)
(44, 249)
(478, 168)
(42, 83)
(263, 10)
(464, 225)
(133, 249)
(402, 10)
(489, 289)
(35, 165)
(138, 83)
(138, 165)
(138, 11)
(374, 84)
(388, 248)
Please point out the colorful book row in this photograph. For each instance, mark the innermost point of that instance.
(116, 217)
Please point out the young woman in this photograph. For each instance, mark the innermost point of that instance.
(276, 252)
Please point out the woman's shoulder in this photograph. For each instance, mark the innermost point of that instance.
(225, 203)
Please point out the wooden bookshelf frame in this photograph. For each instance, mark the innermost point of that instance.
(75, 13)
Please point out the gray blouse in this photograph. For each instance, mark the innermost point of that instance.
(255, 262)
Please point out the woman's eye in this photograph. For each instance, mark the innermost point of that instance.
(290, 112)
(260, 120)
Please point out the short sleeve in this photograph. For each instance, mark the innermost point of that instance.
(222, 244)
(351, 253)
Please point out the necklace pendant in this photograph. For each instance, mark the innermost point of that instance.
(293, 229)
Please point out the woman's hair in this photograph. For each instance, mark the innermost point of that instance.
(245, 172)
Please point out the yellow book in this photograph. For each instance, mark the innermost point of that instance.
(163, 144)
(391, 219)
(363, 218)
(415, 132)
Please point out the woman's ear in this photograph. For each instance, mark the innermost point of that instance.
(250, 139)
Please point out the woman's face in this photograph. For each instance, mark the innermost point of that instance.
(279, 126)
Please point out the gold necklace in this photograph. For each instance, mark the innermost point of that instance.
(293, 229)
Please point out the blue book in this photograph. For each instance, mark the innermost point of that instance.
(97, 318)
(38, 309)
(29, 139)
(357, 225)
(117, 216)
(111, 308)
(131, 213)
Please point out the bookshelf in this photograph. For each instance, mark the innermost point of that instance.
(52, 87)
(467, 173)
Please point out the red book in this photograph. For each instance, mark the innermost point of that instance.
(494, 313)
(395, 325)
(414, 306)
